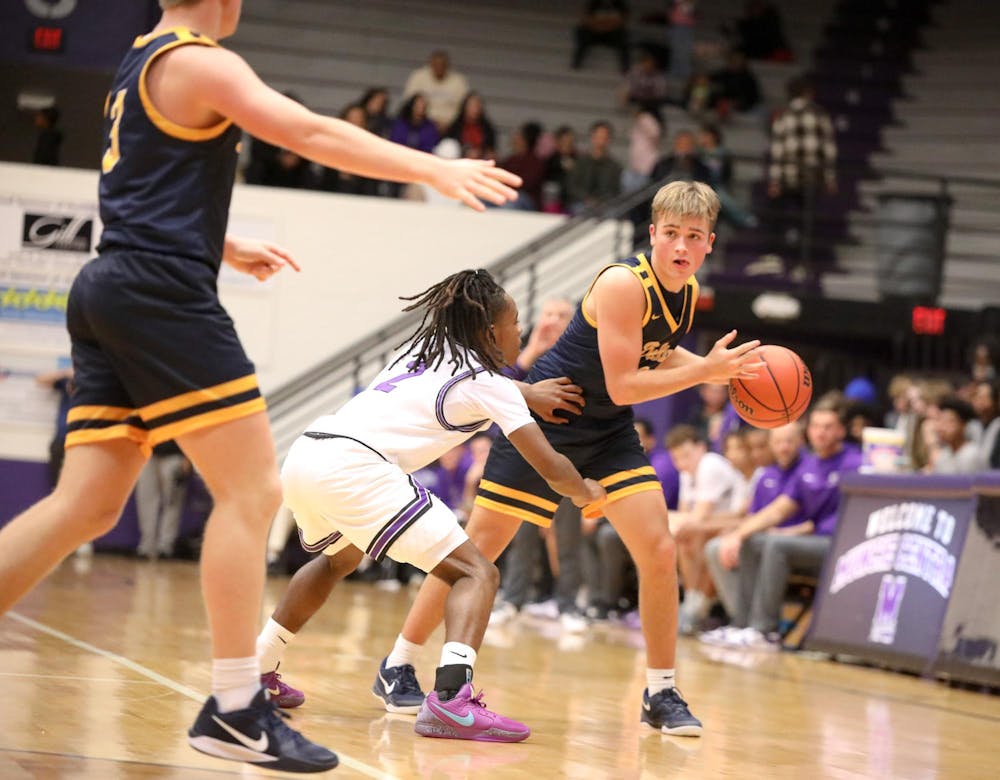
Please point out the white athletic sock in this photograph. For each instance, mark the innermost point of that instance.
(457, 653)
(403, 652)
(697, 604)
(659, 680)
(235, 681)
(271, 644)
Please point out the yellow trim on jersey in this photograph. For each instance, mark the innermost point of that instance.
(119, 413)
(620, 476)
(635, 271)
(95, 435)
(615, 495)
(180, 32)
(166, 126)
(513, 511)
(655, 284)
(518, 495)
(206, 420)
(195, 397)
(695, 290)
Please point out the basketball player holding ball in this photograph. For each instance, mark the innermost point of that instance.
(622, 348)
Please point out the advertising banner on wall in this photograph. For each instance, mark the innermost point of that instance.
(42, 246)
(891, 570)
(971, 630)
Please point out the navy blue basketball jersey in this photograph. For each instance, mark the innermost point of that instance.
(164, 188)
(667, 319)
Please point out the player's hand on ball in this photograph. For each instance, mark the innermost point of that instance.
(548, 396)
(723, 363)
(592, 500)
(473, 181)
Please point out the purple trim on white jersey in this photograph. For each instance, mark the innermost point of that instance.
(439, 404)
(402, 520)
(322, 544)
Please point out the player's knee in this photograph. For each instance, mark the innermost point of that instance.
(661, 555)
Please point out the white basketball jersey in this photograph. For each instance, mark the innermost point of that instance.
(411, 415)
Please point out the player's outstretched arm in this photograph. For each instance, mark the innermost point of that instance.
(222, 81)
(619, 305)
(555, 468)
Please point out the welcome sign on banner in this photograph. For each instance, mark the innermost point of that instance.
(891, 569)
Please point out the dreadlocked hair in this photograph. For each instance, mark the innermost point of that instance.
(458, 312)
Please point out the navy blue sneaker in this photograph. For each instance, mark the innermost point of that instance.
(668, 712)
(398, 689)
(257, 735)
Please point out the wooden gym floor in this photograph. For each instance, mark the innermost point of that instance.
(104, 667)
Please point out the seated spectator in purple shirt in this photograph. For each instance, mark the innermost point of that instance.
(812, 497)
(525, 162)
(413, 128)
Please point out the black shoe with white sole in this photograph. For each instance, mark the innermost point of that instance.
(257, 735)
(666, 711)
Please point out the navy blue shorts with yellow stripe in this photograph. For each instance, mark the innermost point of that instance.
(155, 355)
(605, 450)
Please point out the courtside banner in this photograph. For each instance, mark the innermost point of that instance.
(891, 570)
(971, 631)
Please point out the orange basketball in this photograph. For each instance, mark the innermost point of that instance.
(779, 394)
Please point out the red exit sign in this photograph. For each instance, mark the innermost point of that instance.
(928, 320)
(47, 39)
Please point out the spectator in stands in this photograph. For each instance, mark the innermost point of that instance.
(717, 159)
(525, 162)
(375, 102)
(348, 183)
(645, 85)
(264, 167)
(766, 560)
(597, 175)
(645, 136)
(682, 18)
(552, 320)
(952, 452)
(559, 167)
(712, 492)
(734, 88)
(759, 33)
(985, 429)
(413, 127)
(698, 96)
(443, 88)
(291, 170)
(604, 22)
(159, 500)
(708, 416)
(50, 137)
(803, 155)
(985, 360)
(683, 162)
(785, 446)
(473, 129)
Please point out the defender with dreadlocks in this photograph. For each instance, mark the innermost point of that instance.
(348, 482)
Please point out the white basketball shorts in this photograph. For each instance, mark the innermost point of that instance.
(342, 492)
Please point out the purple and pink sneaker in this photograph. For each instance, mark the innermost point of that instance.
(282, 694)
(466, 717)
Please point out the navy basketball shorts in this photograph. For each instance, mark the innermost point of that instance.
(155, 355)
(604, 450)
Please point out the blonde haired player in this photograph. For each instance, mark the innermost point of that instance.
(622, 347)
(156, 357)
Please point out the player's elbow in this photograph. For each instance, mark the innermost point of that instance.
(621, 394)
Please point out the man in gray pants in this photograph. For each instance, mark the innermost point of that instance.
(766, 563)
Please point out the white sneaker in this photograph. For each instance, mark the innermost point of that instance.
(718, 637)
(546, 610)
(502, 613)
(573, 623)
(752, 639)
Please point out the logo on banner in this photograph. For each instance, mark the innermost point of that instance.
(49, 231)
(886, 617)
(51, 9)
